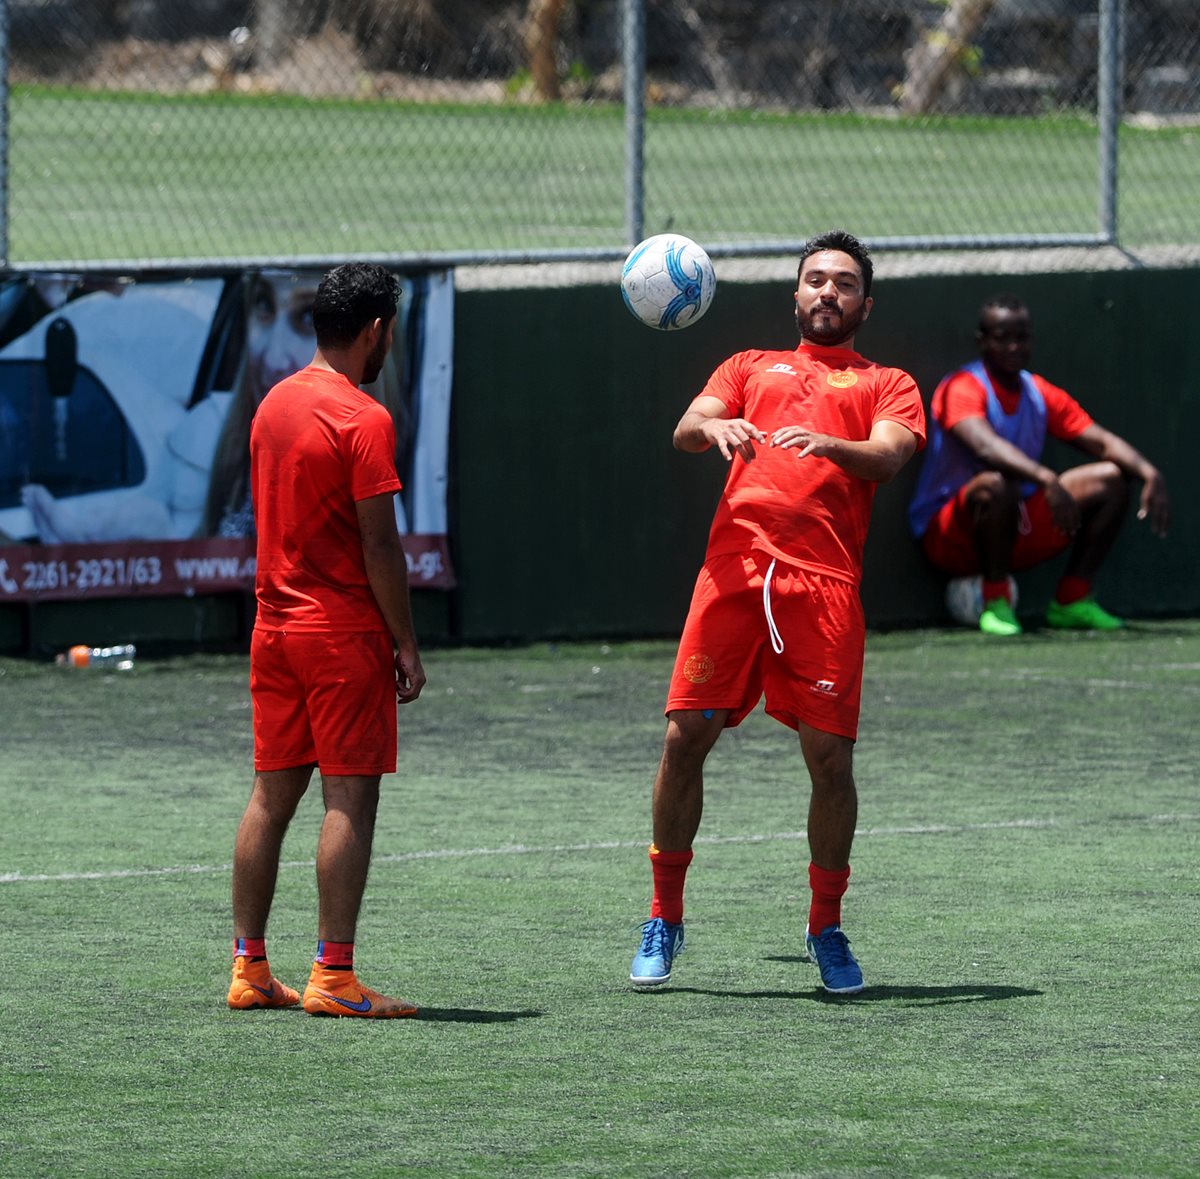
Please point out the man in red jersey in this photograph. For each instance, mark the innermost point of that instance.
(808, 435)
(333, 646)
(986, 504)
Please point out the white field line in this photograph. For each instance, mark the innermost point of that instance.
(521, 849)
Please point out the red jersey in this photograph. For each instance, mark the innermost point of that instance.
(317, 445)
(806, 511)
(961, 396)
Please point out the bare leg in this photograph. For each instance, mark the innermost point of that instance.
(833, 807)
(678, 799)
(995, 508)
(1102, 492)
(344, 852)
(273, 802)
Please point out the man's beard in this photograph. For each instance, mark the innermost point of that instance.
(840, 326)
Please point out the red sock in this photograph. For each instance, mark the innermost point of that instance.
(253, 948)
(996, 589)
(1072, 589)
(670, 869)
(828, 888)
(335, 955)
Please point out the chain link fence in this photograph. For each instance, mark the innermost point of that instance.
(163, 133)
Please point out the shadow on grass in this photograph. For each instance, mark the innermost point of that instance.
(949, 634)
(906, 996)
(1132, 627)
(474, 1015)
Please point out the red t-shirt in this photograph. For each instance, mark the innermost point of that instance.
(806, 511)
(961, 396)
(317, 445)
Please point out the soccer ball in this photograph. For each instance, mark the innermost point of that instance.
(964, 598)
(668, 281)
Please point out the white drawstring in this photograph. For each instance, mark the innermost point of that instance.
(776, 637)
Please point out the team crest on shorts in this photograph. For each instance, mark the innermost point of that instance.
(698, 669)
(842, 380)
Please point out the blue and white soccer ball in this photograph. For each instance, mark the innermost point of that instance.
(964, 598)
(668, 281)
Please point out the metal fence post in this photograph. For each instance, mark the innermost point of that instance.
(634, 52)
(4, 133)
(1109, 105)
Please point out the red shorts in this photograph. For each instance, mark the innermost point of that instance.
(727, 657)
(325, 699)
(949, 541)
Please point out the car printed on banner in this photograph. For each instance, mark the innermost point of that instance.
(105, 430)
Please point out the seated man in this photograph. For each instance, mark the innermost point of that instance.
(985, 503)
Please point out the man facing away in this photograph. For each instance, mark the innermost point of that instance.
(332, 590)
(776, 612)
(985, 502)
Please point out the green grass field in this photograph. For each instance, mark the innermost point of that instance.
(111, 176)
(1025, 903)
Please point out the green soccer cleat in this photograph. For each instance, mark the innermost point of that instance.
(997, 618)
(1086, 614)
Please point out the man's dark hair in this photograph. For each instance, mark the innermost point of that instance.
(349, 298)
(839, 239)
(1003, 302)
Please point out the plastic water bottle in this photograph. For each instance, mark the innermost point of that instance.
(113, 658)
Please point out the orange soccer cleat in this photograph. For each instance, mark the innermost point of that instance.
(338, 992)
(253, 986)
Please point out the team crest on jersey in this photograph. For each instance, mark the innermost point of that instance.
(698, 669)
(842, 380)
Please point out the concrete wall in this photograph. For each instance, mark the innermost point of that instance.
(574, 517)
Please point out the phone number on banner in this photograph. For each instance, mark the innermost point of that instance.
(36, 577)
(43, 572)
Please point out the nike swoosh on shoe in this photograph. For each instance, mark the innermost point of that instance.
(364, 1004)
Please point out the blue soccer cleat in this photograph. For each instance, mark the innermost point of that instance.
(840, 971)
(661, 941)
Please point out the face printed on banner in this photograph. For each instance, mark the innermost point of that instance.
(280, 333)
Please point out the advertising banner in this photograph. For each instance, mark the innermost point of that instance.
(125, 410)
